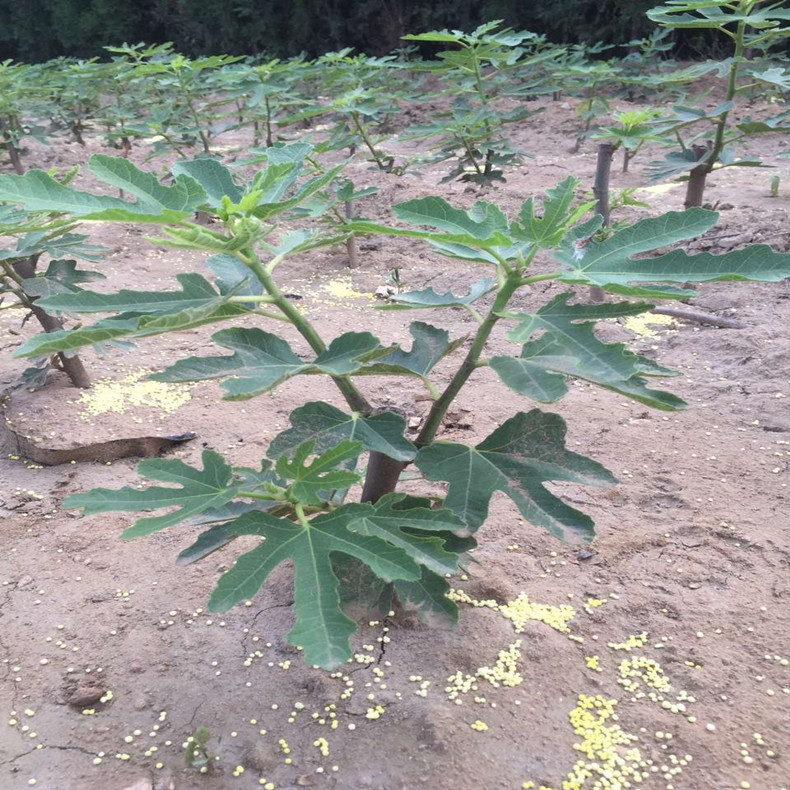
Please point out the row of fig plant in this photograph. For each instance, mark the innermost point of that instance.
(349, 101)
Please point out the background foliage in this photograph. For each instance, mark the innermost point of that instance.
(38, 30)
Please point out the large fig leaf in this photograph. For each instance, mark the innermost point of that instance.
(568, 348)
(611, 264)
(482, 226)
(145, 313)
(430, 346)
(212, 176)
(517, 458)
(195, 292)
(38, 191)
(401, 519)
(262, 361)
(321, 628)
(197, 490)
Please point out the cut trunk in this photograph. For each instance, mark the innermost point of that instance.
(603, 169)
(695, 190)
(351, 241)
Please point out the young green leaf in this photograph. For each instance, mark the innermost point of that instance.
(547, 231)
(310, 480)
(517, 458)
(428, 298)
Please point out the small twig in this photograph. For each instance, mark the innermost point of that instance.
(699, 317)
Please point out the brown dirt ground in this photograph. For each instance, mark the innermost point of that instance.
(692, 551)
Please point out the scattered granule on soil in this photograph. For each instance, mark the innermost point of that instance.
(120, 395)
(503, 673)
(642, 324)
(656, 189)
(521, 610)
(342, 288)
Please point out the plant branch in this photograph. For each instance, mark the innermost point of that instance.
(469, 365)
(354, 398)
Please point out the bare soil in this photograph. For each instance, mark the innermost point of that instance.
(691, 560)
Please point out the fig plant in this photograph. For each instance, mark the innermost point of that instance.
(298, 501)
(20, 88)
(471, 133)
(750, 25)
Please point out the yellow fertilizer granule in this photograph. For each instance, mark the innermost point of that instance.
(120, 395)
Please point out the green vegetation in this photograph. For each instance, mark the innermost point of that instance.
(326, 495)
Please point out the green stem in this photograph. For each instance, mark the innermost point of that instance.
(354, 398)
(300, 515)
(366, 140)
(471, 155)
(732, 89)
(471, 310)
(253, 495)
(470, 363)
(267, 314)
(251, 298)
(538, 278)
(433, 390)
(193, 113)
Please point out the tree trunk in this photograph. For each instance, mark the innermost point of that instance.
(351, 241)
(72, 366)
(382, 476)
(695, 190)
(15, 159)
(10, 147)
